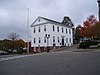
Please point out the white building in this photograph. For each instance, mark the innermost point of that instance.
(46, 32)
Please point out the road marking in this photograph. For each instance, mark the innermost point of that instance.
(13, 57)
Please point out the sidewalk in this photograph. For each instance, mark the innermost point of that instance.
(85, 50)
(70, 48)
(73, 49)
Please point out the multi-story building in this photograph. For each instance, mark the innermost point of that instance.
(50, 33)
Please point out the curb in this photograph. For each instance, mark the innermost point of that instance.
(86, 50)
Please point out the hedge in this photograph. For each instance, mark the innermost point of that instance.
(85, 45)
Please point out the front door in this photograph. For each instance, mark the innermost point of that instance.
(62, 41)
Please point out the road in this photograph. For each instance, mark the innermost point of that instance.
(55, 63)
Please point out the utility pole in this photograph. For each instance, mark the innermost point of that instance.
(28, 31)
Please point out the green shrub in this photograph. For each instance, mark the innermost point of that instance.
(20, 51)
(85, 45)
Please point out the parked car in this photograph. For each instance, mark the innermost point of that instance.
(14, 51)
(3, 52)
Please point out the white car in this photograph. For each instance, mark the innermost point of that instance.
(3, 52)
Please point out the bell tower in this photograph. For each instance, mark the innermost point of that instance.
(99, 8)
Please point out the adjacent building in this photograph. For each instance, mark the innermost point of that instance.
(49, 33)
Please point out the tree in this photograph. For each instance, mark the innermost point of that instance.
(13, 37)
(67, 21)
(20, 44)
(1, 45)
(96, 28)
(77, 33)
(87, 30)
(5, 44)
(13, 44)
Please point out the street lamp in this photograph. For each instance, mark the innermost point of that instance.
(47, 36)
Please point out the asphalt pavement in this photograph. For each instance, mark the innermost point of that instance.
(54, 63)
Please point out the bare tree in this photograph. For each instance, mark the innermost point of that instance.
(13, 36)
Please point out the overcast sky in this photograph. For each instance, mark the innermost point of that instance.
(13, 13)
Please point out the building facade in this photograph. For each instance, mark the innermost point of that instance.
(49, 33)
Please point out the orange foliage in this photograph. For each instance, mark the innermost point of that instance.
(87, 30)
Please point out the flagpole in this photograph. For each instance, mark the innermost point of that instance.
(28, 31)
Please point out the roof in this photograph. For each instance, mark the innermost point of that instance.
(53, 21)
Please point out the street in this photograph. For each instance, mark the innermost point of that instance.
(55, 63)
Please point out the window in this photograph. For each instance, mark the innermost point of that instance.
(44, 27)
(34, 40)
(66, 30)
(39, 40)
(58, 29)
(34, 30)
(69, 31)
(66, 40)
(58, 39)
(53, 39)
(39, 20)
(44, 39)
(39, 29)
(70, 40)
(62, 30)
(53, 28)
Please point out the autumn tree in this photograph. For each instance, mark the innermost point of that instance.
(5, 44)
(20, 44)
(96, 29)
(87, 30)
(1, 45)
(12, 43)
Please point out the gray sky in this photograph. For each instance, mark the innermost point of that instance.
(13, 13)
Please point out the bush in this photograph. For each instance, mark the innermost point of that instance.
(85, 45)
(20, 51)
